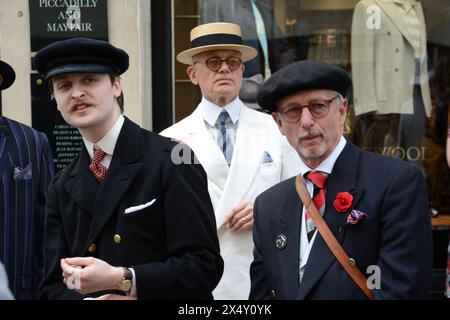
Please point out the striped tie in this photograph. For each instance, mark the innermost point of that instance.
(319, 179)
(223, 138)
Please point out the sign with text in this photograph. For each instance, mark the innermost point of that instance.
(50, 21)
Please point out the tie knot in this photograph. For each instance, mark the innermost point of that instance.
(319, 178)
(99, 154)
(223, 118)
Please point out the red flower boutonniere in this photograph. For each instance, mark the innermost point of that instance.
(343, 201)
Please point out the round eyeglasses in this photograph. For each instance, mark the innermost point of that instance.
(317, 108)
(215, 63)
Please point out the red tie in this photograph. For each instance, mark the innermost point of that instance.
(96, 167)
(319, 179)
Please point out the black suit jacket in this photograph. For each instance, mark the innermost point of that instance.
(26, 169)
(172, 244)
(396, 236)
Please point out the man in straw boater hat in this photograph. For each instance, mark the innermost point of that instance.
(122, 221)
(26, 169)
(241, 149)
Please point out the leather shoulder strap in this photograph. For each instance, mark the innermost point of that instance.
(333, 244)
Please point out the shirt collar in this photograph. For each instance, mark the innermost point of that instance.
(210, 112)
(327, 164)
(108, 142)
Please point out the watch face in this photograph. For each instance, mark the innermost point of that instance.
(125, 285)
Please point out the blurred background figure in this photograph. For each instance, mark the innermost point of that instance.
(259, 30)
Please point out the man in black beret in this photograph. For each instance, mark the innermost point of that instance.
(123, 221)
(26, 169)
(376, 207)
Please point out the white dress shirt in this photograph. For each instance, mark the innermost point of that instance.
(210, 112)
(325, 166)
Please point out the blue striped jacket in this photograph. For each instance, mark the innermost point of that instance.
(26, 169)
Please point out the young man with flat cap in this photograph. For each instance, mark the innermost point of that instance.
(123, 221)
(241, 149)
(376, 207)
(26, 169)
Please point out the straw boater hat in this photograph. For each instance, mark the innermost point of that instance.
(7, 75)
(216, 36)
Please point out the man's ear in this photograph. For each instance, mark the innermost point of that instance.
(117, 87)
(192, 73)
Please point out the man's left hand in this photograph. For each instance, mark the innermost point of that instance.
(241, 217)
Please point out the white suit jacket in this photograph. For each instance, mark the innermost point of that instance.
(247, 176)
(383, 61)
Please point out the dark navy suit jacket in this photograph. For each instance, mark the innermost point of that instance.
(172, 244)
(26, 169)
(396, 236)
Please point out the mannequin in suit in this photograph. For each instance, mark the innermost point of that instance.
(26, 169)
(123, 220)
(260, 156)
(242, 13)
(382, 223)
(390, 69)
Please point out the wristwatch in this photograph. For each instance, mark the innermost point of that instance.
(127, 282)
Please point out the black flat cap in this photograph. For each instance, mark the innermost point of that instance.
(80, 55)
(7, 74)
(299, 76)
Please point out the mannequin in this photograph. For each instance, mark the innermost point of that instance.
(390, 70)
(274, 51)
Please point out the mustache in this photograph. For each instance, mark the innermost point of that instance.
(309, 134)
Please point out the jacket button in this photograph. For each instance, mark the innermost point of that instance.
(351, 262)
(396, 69)
(397, 50)
(388, 33)
(92, 248)
(117, 238)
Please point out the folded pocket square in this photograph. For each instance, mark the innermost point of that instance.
(355, 217)
(23, 174)
(266, 158)
(139, 207)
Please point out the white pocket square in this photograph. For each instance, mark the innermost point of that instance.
(139, 207)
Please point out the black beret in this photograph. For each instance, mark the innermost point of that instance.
(8, 75)
(299, 76)
(80, 55)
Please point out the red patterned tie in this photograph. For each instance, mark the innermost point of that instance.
(96, 167)
(319, 179)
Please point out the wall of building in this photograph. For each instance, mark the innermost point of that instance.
(129, 28)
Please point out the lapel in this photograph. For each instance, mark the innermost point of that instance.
(124, 166)
(81, 184)
(392, 11)
(423, 31)
(247, 153)
(4, 133)
(206, 149)
(343, 178)
(289, 224)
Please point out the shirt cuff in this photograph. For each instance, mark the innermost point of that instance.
(133, 291)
